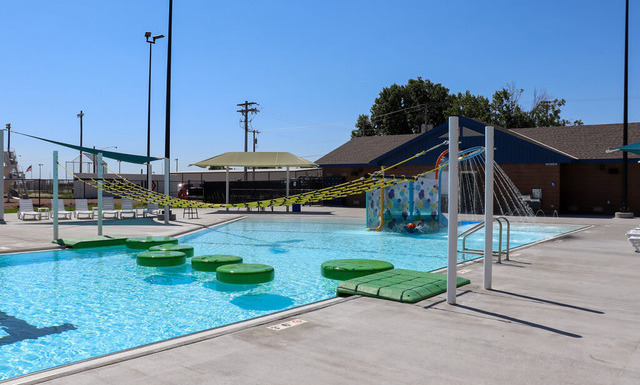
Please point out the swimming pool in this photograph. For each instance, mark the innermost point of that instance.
(58, 307)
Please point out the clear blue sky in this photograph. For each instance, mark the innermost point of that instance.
(312, 66)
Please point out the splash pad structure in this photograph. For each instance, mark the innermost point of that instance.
(413, 205)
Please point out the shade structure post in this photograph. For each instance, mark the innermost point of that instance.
(287, 188)
(2, 176)
(226, 186)
(452, 229)
(149, 177)
(167, 171)
(488, 206)
(100, 183)
(55, 195)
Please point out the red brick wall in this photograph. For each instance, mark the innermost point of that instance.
(536, 175)
(597, 188)
(568, 188)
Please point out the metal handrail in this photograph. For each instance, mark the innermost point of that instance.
(464, 235)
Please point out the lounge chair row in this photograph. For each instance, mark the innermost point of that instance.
(82, 210)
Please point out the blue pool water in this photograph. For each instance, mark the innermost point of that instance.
(58, 307)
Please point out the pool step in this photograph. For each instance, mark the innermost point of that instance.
(399, 285)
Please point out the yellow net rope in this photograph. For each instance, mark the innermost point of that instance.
(124, 188)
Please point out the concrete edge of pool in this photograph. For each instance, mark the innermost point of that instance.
(172, 343)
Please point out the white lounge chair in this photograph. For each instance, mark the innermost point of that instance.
(127, 208)
(152, 210)
(635, 242)
(82, 209)
(26, 210)
(62, 212)
(109, 209)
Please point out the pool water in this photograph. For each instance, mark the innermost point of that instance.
(58, 307)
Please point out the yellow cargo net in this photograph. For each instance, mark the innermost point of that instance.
(123, 188)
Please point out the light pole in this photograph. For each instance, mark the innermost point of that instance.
(176, 159)
(151, 42)
(80, 115)
(167, 121)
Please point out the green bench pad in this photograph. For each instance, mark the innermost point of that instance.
(147, 242)
(161, 258)
(245, 274)
(343, 269)
(97, 241)
(399, 285)
(186, 249)
(213, 262)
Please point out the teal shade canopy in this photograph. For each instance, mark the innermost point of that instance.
(633, 147)
(130, 158)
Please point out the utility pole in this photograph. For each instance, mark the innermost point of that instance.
(8, 125)
(245, 115)
(80, 115)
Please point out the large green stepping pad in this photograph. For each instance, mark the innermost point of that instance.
(146, 242)
(399, 285)
(248, 273)
(343, 269)
(161, 258)
(186, 249)
(213, 262)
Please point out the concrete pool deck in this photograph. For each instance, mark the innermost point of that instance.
(565, 311)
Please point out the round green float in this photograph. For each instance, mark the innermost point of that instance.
(212, 262)
(147, 242)
(343, 269)
(186, 249)
(161, 258)
(249, 273)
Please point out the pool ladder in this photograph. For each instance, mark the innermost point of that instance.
(502, 221)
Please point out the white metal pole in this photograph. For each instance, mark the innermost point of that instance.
(55, 195)
(149, 177)
(2, 176)
(100, 173)
(167, 172)
(226, 186)
(452, 245)
(287, 184)
(488, 205)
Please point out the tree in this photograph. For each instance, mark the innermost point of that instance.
(506, 110)
(363, 127)
(406, 109)
(472, 106)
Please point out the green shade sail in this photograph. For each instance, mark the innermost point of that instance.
(130, 158)
(255, 159)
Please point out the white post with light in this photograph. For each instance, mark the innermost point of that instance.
(54, 207)
(167, 172)
(488, 205)
(100, 173)
(452, 244)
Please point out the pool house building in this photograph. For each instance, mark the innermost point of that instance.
(561, 169)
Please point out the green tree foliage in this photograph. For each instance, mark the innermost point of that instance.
(406, 109)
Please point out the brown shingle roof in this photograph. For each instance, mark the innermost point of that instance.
(364, 149)
(586, 141)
